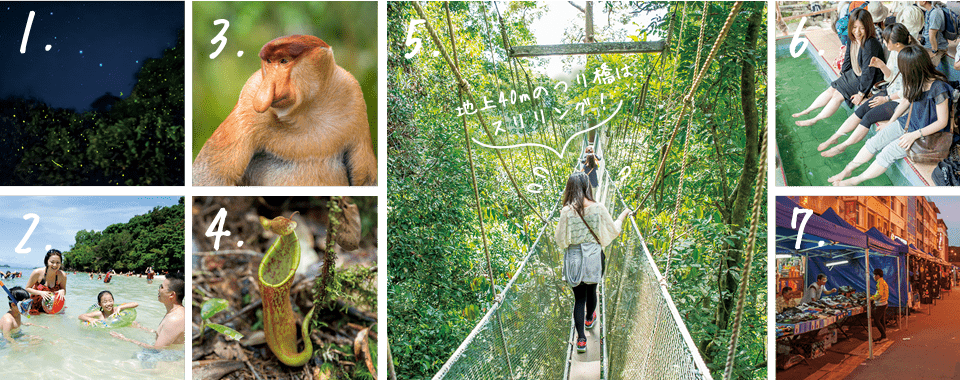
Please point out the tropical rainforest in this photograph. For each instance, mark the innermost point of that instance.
(462, 215)
(154, 239)
(134, 140)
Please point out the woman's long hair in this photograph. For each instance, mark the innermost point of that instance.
(591, 160)
(866, 20)
(898, 33)
(578, 188)
(917, 69)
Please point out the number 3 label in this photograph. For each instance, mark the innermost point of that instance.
(36, 220)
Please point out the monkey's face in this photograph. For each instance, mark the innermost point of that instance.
(278, 58)
(276, 89)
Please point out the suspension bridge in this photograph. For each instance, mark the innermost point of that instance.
(528, 331)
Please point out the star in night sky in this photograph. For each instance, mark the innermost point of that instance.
(95, 94)
(95, 48)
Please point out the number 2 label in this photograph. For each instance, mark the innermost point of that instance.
(36, 220)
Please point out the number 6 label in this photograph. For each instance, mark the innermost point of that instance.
(798, 40)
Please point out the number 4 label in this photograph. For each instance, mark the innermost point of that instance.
(221, 217)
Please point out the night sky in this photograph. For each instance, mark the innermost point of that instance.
(96, 48)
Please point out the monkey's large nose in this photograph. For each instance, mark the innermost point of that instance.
(264, 97)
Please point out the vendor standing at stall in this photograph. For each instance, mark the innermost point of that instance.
(880, 304)
(815, 290)
(786, 300)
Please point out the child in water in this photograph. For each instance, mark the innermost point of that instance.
(107, 308)
(10, 322)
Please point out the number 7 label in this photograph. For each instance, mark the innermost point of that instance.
(793, 222)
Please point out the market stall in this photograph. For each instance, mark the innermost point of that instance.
(847, 256)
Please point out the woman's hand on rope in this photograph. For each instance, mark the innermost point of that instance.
(626, 212)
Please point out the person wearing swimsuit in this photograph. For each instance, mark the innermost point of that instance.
(47, 282)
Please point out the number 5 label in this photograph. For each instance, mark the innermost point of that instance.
(413, 41)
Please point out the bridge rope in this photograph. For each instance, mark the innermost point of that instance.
(476, 192)
(751, 241)
(688, 98)
(466, 89)
(688, 103)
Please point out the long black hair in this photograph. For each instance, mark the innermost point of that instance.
(898, 33)
(578, 188)
(52, 252)
(917, 69)
(866, 20)
(100, 296)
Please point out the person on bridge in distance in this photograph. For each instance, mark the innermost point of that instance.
(590, 162)
(585, 227)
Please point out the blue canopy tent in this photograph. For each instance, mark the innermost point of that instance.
(825, 240)
(884, 254)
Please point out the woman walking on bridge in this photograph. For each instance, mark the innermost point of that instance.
(585, 227)
(590, 162)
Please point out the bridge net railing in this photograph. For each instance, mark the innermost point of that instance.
(645, 336)
(525, 335)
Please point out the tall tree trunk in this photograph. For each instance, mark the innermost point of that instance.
(588, 14)
(743, 193)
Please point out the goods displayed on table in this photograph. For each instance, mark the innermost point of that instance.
(826, 307)
(804, 317)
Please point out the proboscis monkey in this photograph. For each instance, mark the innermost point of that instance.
(300, 120)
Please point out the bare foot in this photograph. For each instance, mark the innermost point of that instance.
(806, 123)
(826, 144)
(835, 151)
(801, 113)
(848, 182)
(839, 177)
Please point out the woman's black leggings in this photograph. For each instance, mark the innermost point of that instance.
(584, 295)
(876, 114)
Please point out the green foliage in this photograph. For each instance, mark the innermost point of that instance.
(210, 308)
(350, 28)
(153, 239)
(134, 144)
(438, 282)
(357, 285)
(139, 141)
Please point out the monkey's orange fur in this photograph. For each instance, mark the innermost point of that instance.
(300, 120)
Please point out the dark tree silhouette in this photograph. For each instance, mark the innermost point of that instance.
(105, 102)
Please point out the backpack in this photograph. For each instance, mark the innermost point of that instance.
(843, 21)
(950, 21)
